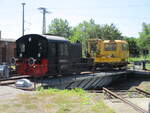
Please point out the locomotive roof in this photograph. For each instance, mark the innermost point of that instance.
(51, 37)
(47, 37)
(117, 41)
(107, 41)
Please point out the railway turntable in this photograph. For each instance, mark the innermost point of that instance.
(84, 81)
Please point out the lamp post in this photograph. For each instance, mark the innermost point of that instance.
(23, 4)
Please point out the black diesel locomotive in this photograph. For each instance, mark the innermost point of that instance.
(39, 55)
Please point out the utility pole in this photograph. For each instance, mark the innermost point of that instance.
(23, 4)
(44, 11)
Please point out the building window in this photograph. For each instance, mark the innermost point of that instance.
(14, 52)
(3, 54)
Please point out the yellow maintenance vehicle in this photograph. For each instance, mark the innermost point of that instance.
(108, 53)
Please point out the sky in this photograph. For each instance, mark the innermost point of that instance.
(127, 15)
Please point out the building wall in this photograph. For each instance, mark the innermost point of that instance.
(7, 51)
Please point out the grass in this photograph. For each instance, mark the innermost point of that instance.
(56, 101)
(148, 66)
(140, 58)
(132, 59)
(148, 90)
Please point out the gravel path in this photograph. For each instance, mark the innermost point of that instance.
(8, 92)
(120, 107)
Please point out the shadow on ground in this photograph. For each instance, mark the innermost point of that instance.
(127, 83)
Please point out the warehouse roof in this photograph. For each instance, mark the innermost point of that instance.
(7, 40)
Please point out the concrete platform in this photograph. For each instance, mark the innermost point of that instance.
(7, 92)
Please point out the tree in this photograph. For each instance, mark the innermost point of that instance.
(88, 29)
(110, 32)
(85, 31)
(144, 40)
(60, 27)
(134, 50)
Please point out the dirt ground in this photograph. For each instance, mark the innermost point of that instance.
(51, 101)
(7, 94)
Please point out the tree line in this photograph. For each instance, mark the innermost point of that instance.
(138, 46)
(89, 29)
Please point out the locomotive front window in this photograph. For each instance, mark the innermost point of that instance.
(40, 50)
(22, 48)
(110, 47)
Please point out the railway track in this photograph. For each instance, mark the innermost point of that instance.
(137, 93)
(12, 80)
(112, 94)
(147, 94)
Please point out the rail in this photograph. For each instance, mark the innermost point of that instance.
(11, 80)
(142, 91)
(137, 108)
(14, 77)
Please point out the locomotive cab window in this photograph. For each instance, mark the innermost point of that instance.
(124, 47)
(110, 46)
(52, 49)
(63, 49)
(93, 47)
